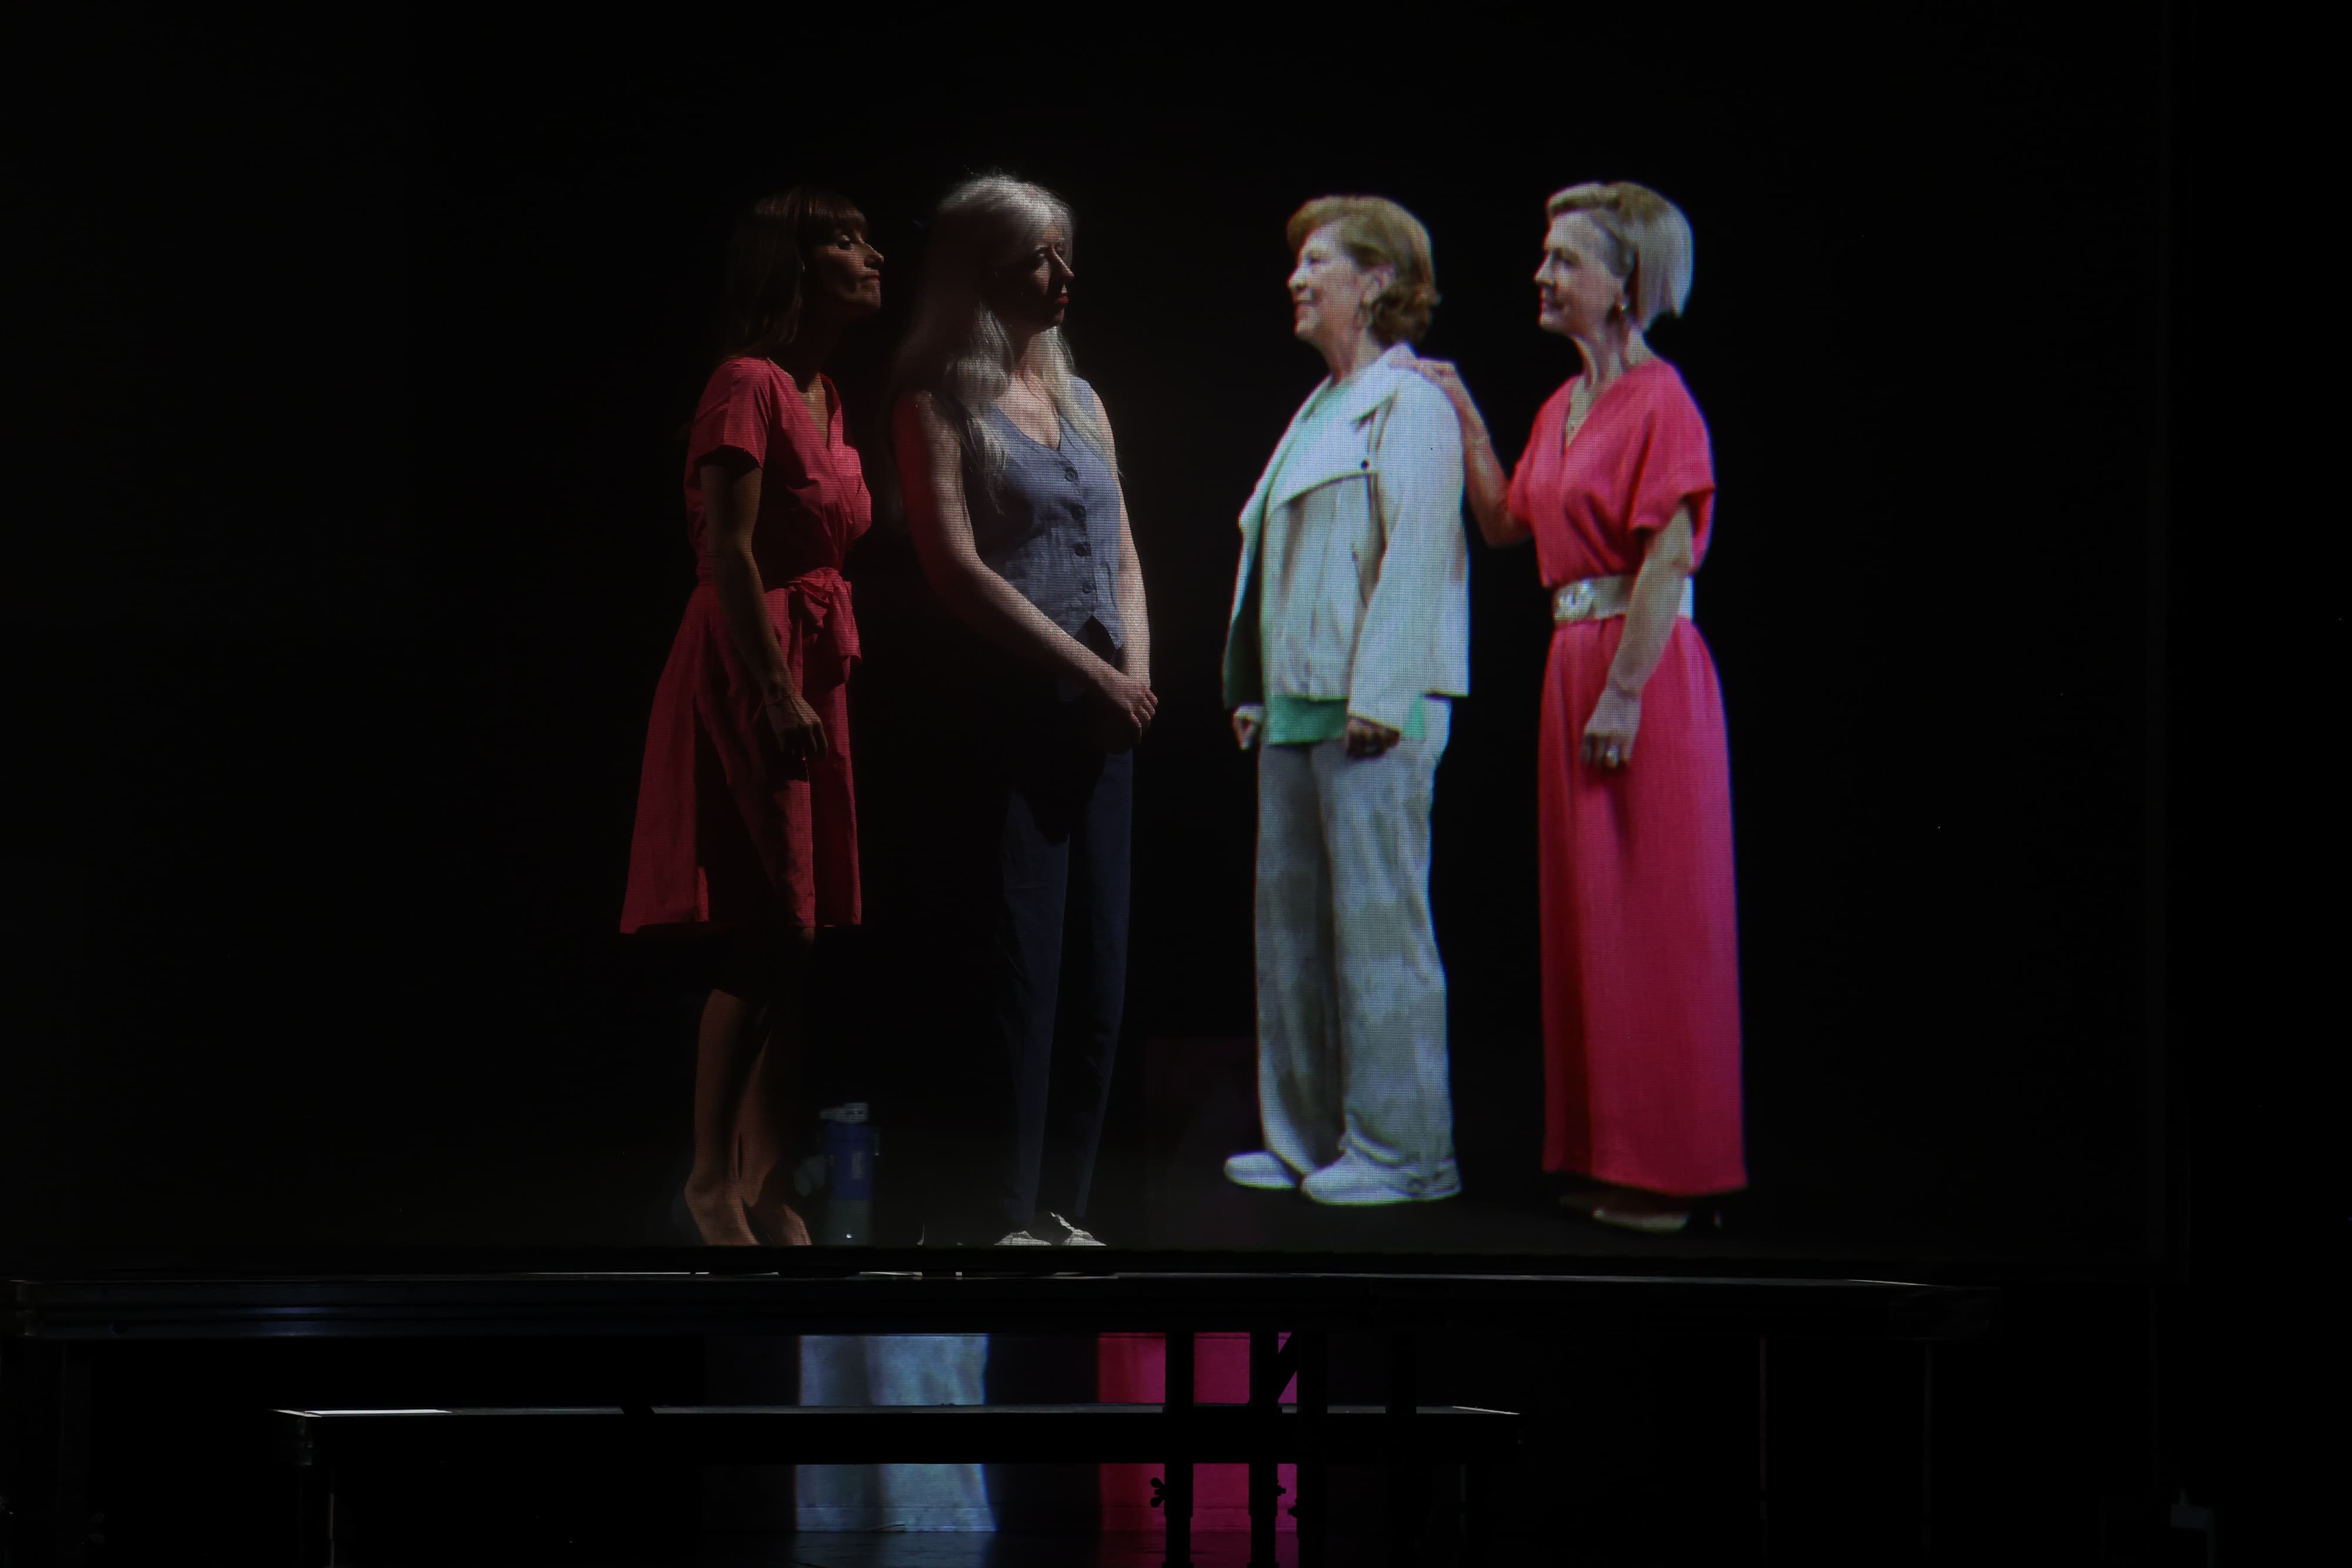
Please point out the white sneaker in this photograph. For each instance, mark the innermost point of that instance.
(1069, 1235)
(1262, 1171)
(1354, 1181)
(1022, 1238)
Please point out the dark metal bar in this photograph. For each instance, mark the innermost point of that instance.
(1408, 1483)
(28, 1412)
(1176, 1491)
(1763, 1456)
(1266, 1377)
(313, 1544)
(1311, 1350)
(1477, 1513)
(905, 1434)
(1928, 1453)
(73, 1412)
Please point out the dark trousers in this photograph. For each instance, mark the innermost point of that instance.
(1026, 975)
(1055, 975)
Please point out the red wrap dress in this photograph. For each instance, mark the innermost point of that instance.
(728, 830)
(1640, 975)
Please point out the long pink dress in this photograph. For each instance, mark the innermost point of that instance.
(1641, 974)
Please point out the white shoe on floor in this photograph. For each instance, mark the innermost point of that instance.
(1262, 1171)
(1062, 1233)
(1354, 1181)
(1022, 1238)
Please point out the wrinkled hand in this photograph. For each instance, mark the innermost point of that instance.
(1447, 378)
(1127, 705)
(1609, 736)
(798, 732)
(1246, 729)
(1366, 738)
(1442, 375)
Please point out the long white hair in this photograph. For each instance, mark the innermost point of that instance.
(958, 349)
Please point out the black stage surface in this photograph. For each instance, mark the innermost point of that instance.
(66, 1333)
(898, 1293)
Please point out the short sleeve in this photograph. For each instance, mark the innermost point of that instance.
(1673, 464)
(739, 411)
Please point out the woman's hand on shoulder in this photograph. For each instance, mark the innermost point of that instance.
(1442, 375)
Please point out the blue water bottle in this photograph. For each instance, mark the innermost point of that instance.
(850, 1146)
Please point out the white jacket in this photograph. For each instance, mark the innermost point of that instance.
(1389, 618)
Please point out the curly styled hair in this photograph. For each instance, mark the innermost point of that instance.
(1377, 232)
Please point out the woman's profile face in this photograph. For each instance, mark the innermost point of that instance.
(1575, 290)
(845, 272)
(1033, 287)
(1328, 291)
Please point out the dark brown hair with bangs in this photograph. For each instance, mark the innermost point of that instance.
(766, 261)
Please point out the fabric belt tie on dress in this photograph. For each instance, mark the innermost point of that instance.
(1599, 598)
(819, 602)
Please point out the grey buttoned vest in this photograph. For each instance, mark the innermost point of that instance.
(1050, 526)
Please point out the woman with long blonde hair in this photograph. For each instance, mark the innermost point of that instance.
(1009, 478)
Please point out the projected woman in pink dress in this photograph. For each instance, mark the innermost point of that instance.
(1616, 487)
(747, 818)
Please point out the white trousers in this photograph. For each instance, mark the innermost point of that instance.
(893, 1369)
(1350, 991)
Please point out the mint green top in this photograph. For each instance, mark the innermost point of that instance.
(1303, 721)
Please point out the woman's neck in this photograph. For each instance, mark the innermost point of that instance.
(1618, 349)
(803, 357)
(1019, 337)
(1345, 360)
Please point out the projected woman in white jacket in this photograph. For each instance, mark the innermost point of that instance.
(1350, 635)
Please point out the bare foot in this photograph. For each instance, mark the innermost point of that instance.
(783, 1225)
(719, 1215)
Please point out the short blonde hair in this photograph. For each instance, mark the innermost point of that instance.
(1377, 232)
(1651, 236)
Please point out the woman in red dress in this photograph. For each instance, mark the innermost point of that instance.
(1641, 978)
(747, 822)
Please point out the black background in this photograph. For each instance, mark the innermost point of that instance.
(349, 544)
